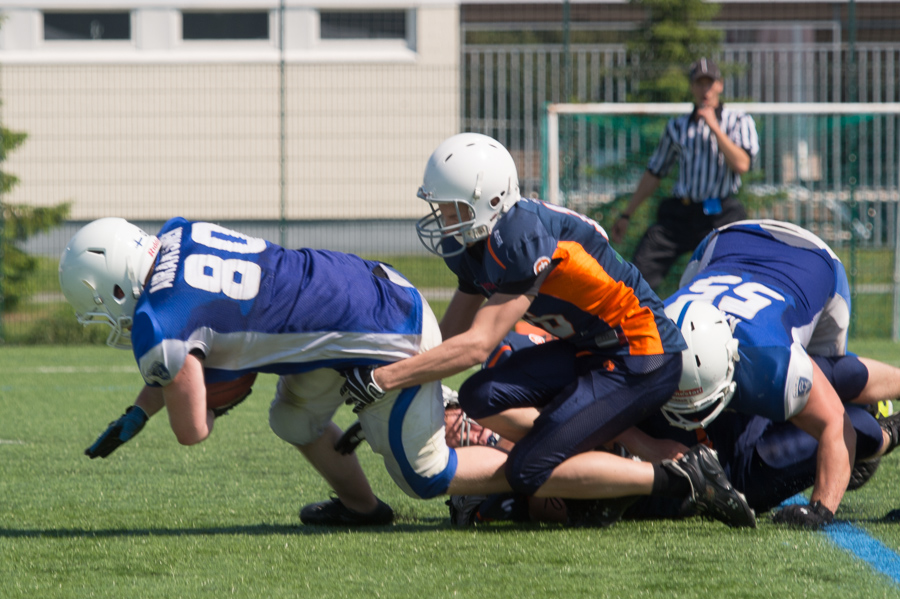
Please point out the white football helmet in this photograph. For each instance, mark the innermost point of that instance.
(707, 365)
(102, 273)
(475, 174)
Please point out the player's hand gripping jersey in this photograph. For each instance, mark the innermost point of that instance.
(247, 305)
(585, 293)
(786, 295)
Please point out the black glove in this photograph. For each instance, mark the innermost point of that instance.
(813, 516)
(351, 439)
(360, 388)
(119, 431)
(225, 409)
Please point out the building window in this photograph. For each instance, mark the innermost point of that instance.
(87, 26)
(366, 25)
(225, 25)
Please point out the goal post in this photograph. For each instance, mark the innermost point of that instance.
(830, 167)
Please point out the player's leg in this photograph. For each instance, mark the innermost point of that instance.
(507, 397)
(604, 399)
(871, 383)
(408, 432)
(306, 424)
(773, 461)
(882, 382)
(342, 472)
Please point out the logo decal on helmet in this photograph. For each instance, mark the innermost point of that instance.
(688, 392)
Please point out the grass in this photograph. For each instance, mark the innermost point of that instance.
(220, 519)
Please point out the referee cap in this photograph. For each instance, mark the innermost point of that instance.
(705, 68)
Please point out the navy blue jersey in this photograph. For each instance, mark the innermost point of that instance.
(249, 305)
(585, 292)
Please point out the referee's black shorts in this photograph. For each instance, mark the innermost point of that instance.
(680, 226)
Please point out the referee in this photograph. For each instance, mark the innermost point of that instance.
(713, 146)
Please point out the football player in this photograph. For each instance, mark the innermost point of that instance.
(616, 359)
(786, 297)
(198, 303)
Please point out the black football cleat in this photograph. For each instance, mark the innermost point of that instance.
(335, 513)
(464, 509)
(862, 472)
(891, 426)
(712, 494)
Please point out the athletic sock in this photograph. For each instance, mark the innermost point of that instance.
(668, 484)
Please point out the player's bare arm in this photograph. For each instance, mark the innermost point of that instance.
(185, 400)
(824, 417)
(491, 323)
(460, 314)
(151, 400)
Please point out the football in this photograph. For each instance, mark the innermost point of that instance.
(220, 395)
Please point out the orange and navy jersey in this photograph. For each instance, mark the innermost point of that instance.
(585, 292)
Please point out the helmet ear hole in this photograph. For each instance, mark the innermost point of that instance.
(495, 201)
(118, 293)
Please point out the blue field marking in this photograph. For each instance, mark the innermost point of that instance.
(857, 542)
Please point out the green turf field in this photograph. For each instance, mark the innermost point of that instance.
(220, 519)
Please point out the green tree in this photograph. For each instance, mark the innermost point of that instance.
(18, 223)
(670, 39)
(665, 44)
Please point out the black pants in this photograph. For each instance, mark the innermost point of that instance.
(678, 229)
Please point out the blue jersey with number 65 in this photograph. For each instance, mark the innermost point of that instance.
(248, 305)
(786, 295)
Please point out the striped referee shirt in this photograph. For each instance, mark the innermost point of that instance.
(702, 171)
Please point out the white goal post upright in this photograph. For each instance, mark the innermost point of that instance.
(880, 164)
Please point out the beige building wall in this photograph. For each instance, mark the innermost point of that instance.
(150, 138)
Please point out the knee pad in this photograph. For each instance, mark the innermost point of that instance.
(850, 377)
(293, 424)
(847, 374)
(475, 395)
(868, 431)
(526, 473)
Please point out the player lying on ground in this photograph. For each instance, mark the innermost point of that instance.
(768, 461)
(200, 304)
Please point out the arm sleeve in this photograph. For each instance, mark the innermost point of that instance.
(467, 287)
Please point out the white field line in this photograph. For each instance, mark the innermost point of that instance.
(77, 369)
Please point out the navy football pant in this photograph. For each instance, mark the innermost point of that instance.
(585, 401)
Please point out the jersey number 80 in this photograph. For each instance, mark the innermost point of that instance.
(237, 279)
